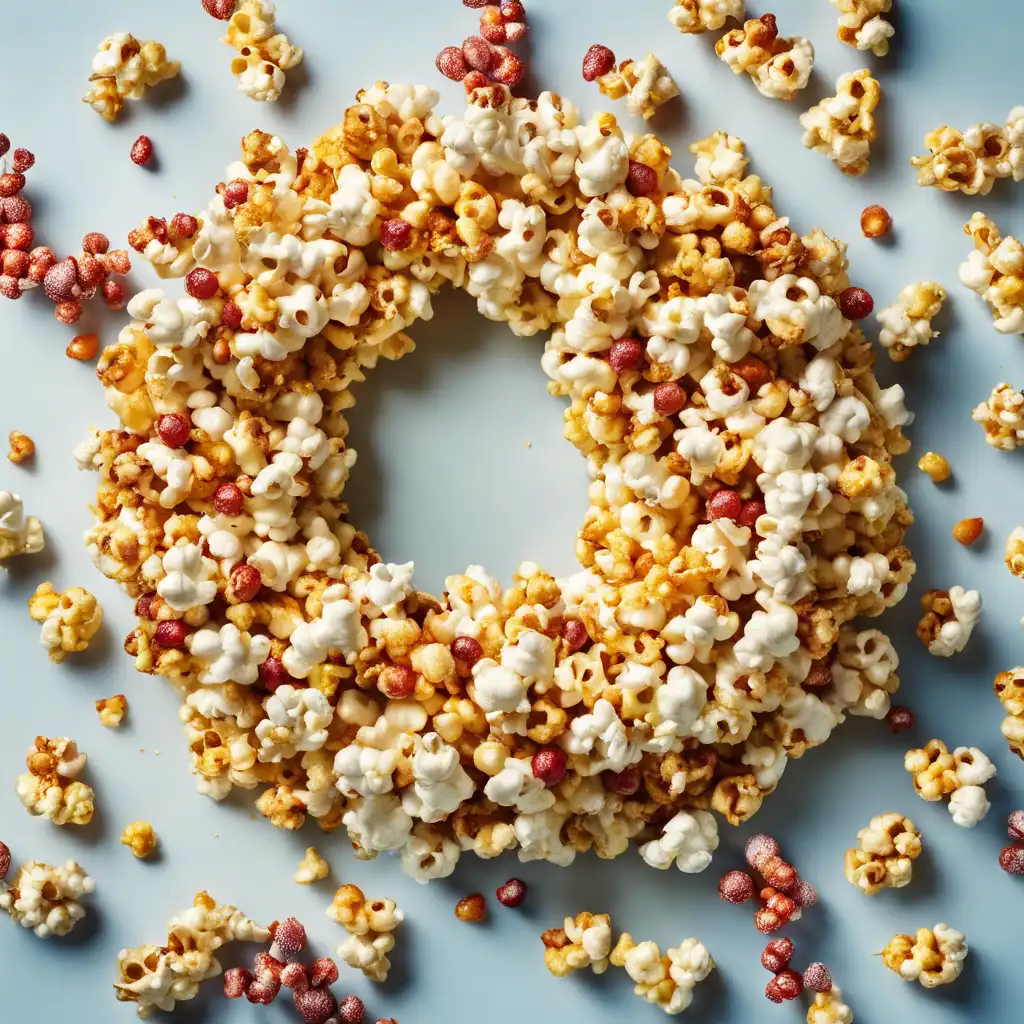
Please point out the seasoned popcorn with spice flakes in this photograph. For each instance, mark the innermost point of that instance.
(861, 24)
(112, 710)
(645, 84)
(695, 16)
(371, 925)
(51, 788)
(140, 838)
(667, 981)
(829, 1008)
(123, 69)
(780, 66)
(842, 127)
(70, 619)
(995, 270)
(1002, 417)
(949, 619)
(720, 158)
(312, 868)
(19, 534)
(885, 854)
(907, 324)
(932, 957)
(583, 941)
(46, 898)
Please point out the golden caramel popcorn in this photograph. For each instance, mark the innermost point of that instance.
(885, 855)
(935, 466)
(371, 925)
(263, 54)
(696, 16)
(949, 619)
(51, 788)
(123, 69)
(646, 85)
(960, 775)
(583, 941)
(842, 127)
(995, 270)
(1009, 688)
(667, 981)
(22, 447)
(112, 710)
(862, 26)
(1001, 416)
(829, 1008)
(312, 868)
(907, 323)
(779, 66)
(70, 619)
(932, 957)
(140, 838)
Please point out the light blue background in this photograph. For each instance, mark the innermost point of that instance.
(444, 477)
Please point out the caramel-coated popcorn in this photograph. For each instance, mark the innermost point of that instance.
(19, 534)
(46, 898)
(1001, 416)
(695, 16)
(720, 158)
(51, 788)
(312, 868)
(646, 85)
(123, 69)
(22, 447)
(583, 941)
(112, 710)
(935, 466)
(140, 838)
(995, 270)
(907, 323)
(667, 981)
(780, 66)
(842, 127)
(70, 619)
(960, 775)
(933, 957)
(371, 925)
(885, 854)
(862, 26)
(263, 54)
(1009, 688)
(949, 619)
(829, 1008)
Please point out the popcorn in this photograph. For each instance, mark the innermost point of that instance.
(371, 927)
(779, 66)
(70, 619)
(112, 710)
(695, 16)
(312, 868)
(908, 322)
(186, 582)
(46, 898)
(960, 776)
(19, 534)
(688, 841)
(229, 656)
(861, 25)
(123, 69)
(949, 620)
(297, 720)
(667, 981)
(829, 1008)
(140, 838)
(50, 788)
(933, 956)
(583, 941)
(842, 127)
(1002, 417)
(1009, 688)
(263, 55)
(646, 85)
(720, 158)
(995, 270)
(884, 859)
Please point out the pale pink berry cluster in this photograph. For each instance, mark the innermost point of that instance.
(484, 58)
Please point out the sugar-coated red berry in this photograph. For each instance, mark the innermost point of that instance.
(624, 783)
(231, 315)
(597, 61)
(396, 234)
(142, 150)
(817, 977)
(202, 283)
(899, 719)
(1011, 859)
(315, 1005)
(236, 981)
(118, 262)
(263, 989)
(778, 873)
(759, 847)
(767, 921)
(22, 160)
(736, 887)
(514, 31)
(236, 192)
(228, 500)
(784, 986)
(5, 142)
(174, 429)
(40, 259)
(475, 80)
(9, 287)
(170, 635)
(804, 894)
(512, 10)
(625, 355)
(641, 180)
(777, 954)
(779, 903)
(510, 69)
(512, 893)
(492, 25)
(724, 504)
(220, 9)
(95, 242)
(397, 682)
(5, 864)
(295, 976)
(351, 1010)
(855, 303)
(246, 582)
(575, 634)
(289, 939)
(753, 509)
(11, 183)
(467, 650)
(266, 963)
(68, 312)
(183, 225)
(273, 674)
(323, 971)
(451, 63)
(91, 271)
(16, 209)
(479, 54)
(549, 765)
(15, 263)
(669, 398)
(1015, 826)
(19, 236)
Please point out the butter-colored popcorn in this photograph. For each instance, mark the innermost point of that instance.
(780, 66)
(22, 447)
(720, 158)
(158, 977)
(19, 534)
(995, 270)
(123, 69)
(645, 84)
(1009, 688)
(695, 16)
(263, 54)
(932, 957)
(112, 710)
(46, 898)
(829, 1008)
(51, 788)
(70, 619)
(861, 24)
(949, 619)
(667, 981)
(1014, 551)
(907, 324)
(312, 868)
(583, 941)
(842, 127)
(1002, 417)
(960, 775)
(140, 838)
(371, 925)
(885, 855)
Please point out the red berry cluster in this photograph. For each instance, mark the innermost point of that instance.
(787, 983)
(726, 503)
(1011, 858)
(5, 864)
(483, 58)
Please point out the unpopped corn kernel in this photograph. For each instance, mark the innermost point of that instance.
(472, 908)
(967, 531)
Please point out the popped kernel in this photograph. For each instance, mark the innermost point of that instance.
(995, 271)
(46, 899)
(1001, 416)
(123, 69)
(885, 854)
(862, 26)
(371, 925)
(51, 787)
(263, 54)
(779, 66)
(842, 127)
(935, 466)
(960, 775)
(112, 710)
(907, 323)
(696, 16)
(312, 868)
(140, 838)
(19, 534)
(1009, 688)
(70, 619)
(583, 941)
(949, 619)
(933, 956)
(666, 981)
(646, 85)
(22, 447)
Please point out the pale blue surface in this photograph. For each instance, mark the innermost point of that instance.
(452, 481)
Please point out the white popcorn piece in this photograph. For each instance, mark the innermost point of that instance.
(842, 127)
(429, 853)
(297, 720)
(667, 981)
(907, 324)
(995, 270)
(720, 157)
(19, 534)
(695, 16)
(371, 926)
(70, 619)
(231, 655)
(46, 899)
(688, 841)
(950, 619)
(338, 630)
(312, 868)
(186, 582)
(440, 783)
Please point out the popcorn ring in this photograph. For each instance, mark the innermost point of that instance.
(743, 511)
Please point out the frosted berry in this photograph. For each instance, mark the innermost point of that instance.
(11, 183)
(5, 866)
(61, 280)
(736, 887)
(479, 54)
(170, 635)
(669, 398)
(1011, 860)
(641, 180)
(779, 903)
(778, 873)
(899, 719)
(174, 429)
(785, 986)
(804, 894)
(202, 283)
(236, 192)
(855, 303)
(626, 354)
(16, 209)
(183, 225)
(22, 160)
(9, 287)
(777, 954)
(19, 236)
(246, 582)
(767, 921)
(624, 783)
(512, 10)
(323, 971)
(492, 25)
(231, 316)
(511, 894)
(817, 978)
(295, 976)
(263, 989)
(272, 674)
(597, 61)
(236, 981)
(142, 150)
(452, 64)
(289, 939)
(549, 765)
(5, 142)
(40, 259)
(724, 504)
(15, 263)
(396, 234)
(1015, 825)
(265, 963)
(91, 271)
(315, 1005)
(68, 312)
(220, 9)
(95, 242)
(467, 650)
(351, 1010)
(759, 847)
(510, 70)
(397, 682)
(228, 500)
(752, 510)
(575, 633)
(475, 80)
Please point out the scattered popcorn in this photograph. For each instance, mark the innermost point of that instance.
(829, 1008)
(140, 838)
(861, 24)
(884, 859)
(932, 957)
(935, 466)
(1009, 688)
(646, 85)
(842, 127)
(19, 534)
(371, 926)
(995, 270)
(1002, 417)
(70, 619)
(721, 158)
(688, 841)
(45, 898)
(312, 868)
(949, 620)
(908, 322)
(695, 16)
(960, 775)
(50, 788)
(22, 447)
(583, 941)
(667, 981)
(779, 66)
(123, 69)
(263, 54)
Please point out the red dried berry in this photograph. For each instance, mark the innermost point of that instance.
(295, 976)
(266, 963)
(142, 150)
(289, 939)
(68, 312)
(9, 287)
(19, 236)
(452, 64)
(246, 582)
(397, 682)
(15, 263)
(784, 986)
(597, 61)
(512, 10)
(144, 606)
(736, 887)
(183, 225)
(669, 398)
(855, 303)
(323, 971)
(95, 242)
(351, 1010)
(1015, 825)
(492, 25)
(817, 977)
(779, 874)
(11, 183)
(170, 635)
(5, 863)
(174, 429)
(315, 1005)
(236, 981)
(113, 294)
(767, 921)
(5, 142)
(479, 54)
(777, 954)
(804, 894)
(40, 259)
(724, 504)
(469, 3)
(900, 719)
(467, 650)
(118, 262)
(515, 31)
(396, 234)
(236, 192)
(1011, 859)
(272, 674)
(91, 272)
(202, 283)
(819, 675)
(641, 180)
(228, 500)
(512, 893)
(16, 209)
(779, 903)
(549, 765)
(231, 315)
(220, 9)
(625, 355)
(575, 634)
(263, 989)
(624, 783)
(511, 69)
(759, 847)
(22, 160)
(475, 80)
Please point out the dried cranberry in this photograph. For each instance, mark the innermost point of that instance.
(174, 429)
(396, 234)
(900, 719)
(597, 61)
(511, 894)
(170, 634)
(724, 504)
(549, 765)
(272, 674)
(641, 180)
(452, 64)
(736, 887)
(624, 783)
(1011, 859)
(855, 303)
(625, 355)
(231, 315)
(246, 582)
(575, 633)
(202, 283)
(467, 650)
(142, 150)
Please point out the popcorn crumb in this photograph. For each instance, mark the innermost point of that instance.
(112, 710)
(949, 619)
(312, 868)
(45, 898)
(70, 619)
(933, 957)
(140, 838)
(885, 855)
(51, 788)
(907, 323)
(22, 447)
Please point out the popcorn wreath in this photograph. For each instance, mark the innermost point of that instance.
(743, 506)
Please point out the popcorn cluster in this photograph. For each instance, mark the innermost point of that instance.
(123, 69)
(46, 898)
(933, 957)
(780, 66)
(19, 534)
(907, 323)
(960, 775)
(842, 127)
(51, 787)
(695, 16)
(583, 941)
(972, 161)
(666, 980)
(995, 270)
(743, 505)
(264, 55)
(949, 619)
(645, 84)
(829, 1008)
(158, 977)
(140, 838)
(1009, 688)
(371, 925)
(884, 858)
(862, 26)
(1001, 416)
(70, 619)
